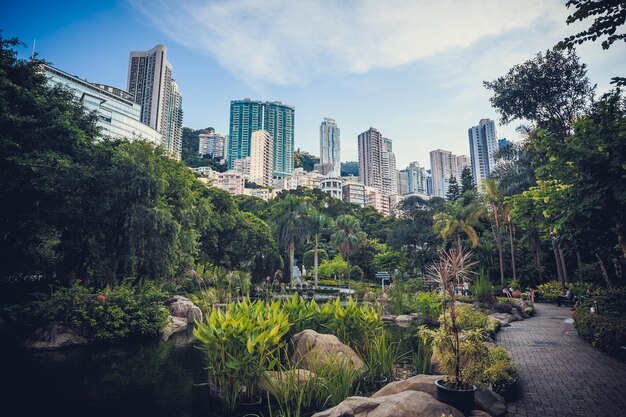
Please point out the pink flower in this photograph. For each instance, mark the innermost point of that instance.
(101, 297)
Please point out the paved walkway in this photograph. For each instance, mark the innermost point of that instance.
(560, 373)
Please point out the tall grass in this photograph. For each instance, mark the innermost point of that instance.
(422, 354)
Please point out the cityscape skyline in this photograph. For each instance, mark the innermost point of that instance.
(423, 100)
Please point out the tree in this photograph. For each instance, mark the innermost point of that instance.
(337, 267)
(303, 159)
(454, 191)
(458, 217)
(349, 238)
(350, 168)
(609, 16)
(291, 224)
(549, 90)
(318, 223)
(467, 180)
(494, 202)
(45, 136)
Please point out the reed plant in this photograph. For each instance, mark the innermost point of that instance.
(380, 356)
(420, 358)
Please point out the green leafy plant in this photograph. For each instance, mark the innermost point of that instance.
(380, 356)
(421, 357)
(483, 289)
(241, 343)
(501, 373)
(428, 305)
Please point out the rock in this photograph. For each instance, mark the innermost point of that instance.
(313, 349)
(422, 383)
(292, 376)
(517, 316)
(490, 402)
(180, 306)
(174, 325)
(403, 404)
(54, 336)
(479, 413)
(388, 319)
(405, 318)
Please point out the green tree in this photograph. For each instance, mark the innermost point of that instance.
(457, 218)
(494, 201)
(467, 180)
(303, 159)
(349, 238)
(454, 191)
(550, 90)
(291, 224)
(608, 16)
(318, 224)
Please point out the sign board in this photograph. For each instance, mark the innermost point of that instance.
(385, 279)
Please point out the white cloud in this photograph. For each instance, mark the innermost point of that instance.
(289, 41)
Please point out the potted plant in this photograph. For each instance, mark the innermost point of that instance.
(462, 357)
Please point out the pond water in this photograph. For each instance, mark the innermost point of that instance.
(148, 379)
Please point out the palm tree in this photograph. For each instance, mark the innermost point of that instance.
(509, 222)
(291, 224)
(318, 223)
(459, 217)
(493, 199)
(349, 238)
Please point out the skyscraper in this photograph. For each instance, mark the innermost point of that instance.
(483, 145)
(151, 84)
(389, 171)
(279, 122)
(330, 145)
(415, 179)
(443, 166)
(261, 158)
(370, 158)
(247, 116)
(213, 144)
(462, 161)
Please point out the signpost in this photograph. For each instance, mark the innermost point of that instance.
(385, 279)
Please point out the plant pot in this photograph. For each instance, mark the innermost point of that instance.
(462, 400)
(375, 382)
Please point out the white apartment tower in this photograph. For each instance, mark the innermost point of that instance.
(483, 146)
(261, 157)
(330, 145)
(151, 84)
(462, 161)
(370, 158)
(212, 144)
(443, 166)
(389, 171)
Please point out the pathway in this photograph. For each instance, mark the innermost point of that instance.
(560, 373)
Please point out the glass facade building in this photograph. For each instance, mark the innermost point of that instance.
(118, 115)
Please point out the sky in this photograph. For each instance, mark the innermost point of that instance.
(413, 69)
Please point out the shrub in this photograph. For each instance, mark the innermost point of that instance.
(483, 289)
(501, 373)
(550, 291)
(606, 329)
(107, 315)
(308, 258)
(428, 305)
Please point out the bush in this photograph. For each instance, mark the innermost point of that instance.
(107, 315)
(428, 305)
(605, 330)
(308, 259)
(501, 373)
(550, 291)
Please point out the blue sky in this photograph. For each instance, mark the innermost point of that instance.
(411, 68)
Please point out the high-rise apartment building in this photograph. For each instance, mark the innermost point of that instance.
(212, 144)
(370, 158)
(443, 167)
(261, 158)
(462, 161)
(151, 85)
(483, 146)
(415, 177)
(247, 116)
(330, 145)
(279, 122)
(389, 171)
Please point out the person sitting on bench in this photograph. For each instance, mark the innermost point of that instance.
(565, 299)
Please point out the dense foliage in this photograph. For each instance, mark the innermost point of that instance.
(605, 326)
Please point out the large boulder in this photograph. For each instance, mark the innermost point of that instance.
(182, 307)
(489, 401)
(313, 349)
(174, 325)
(54, 336)
(405, 318)
(403, 404)
(421, 383)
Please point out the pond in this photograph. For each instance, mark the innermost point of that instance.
(148, 379)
